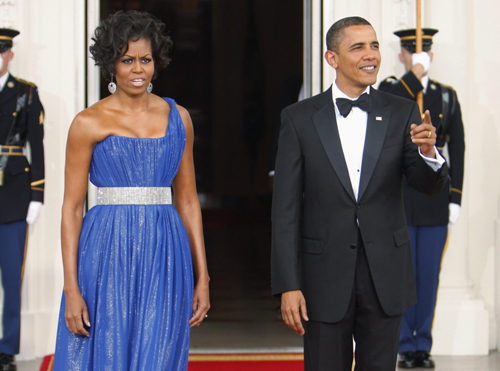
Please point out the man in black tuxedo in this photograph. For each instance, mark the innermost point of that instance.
(341, 255)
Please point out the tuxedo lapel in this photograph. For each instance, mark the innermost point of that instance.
(378, 122)
(326, 126)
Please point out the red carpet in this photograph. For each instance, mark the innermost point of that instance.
(47, 363)
(247, 362)
(231, 362)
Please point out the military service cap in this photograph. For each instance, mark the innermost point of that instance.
(6, 37)
(408, 38)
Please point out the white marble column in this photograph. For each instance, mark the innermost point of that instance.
(496, 264)
(461, 322)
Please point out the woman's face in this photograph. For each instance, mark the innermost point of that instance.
(135, 69)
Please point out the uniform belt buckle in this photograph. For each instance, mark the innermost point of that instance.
(10, 150)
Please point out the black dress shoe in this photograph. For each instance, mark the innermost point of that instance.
(7, 362)
(406, 360)
(424, 360)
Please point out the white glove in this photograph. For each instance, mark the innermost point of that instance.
(422, 58)
(454, 212)
(33, 212)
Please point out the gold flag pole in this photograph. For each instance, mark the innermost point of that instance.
(418, 49)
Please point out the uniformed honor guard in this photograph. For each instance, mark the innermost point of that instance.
(21, 188)
(428, 216)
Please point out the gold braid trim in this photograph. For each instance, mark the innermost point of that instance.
(25, 82)
(25, 253)
(407, 88)
(38, 182)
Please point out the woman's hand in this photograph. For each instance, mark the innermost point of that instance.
(76, 313)
(201, 304)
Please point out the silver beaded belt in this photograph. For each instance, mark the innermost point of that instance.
(134, 196)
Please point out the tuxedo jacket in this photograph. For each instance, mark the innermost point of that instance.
(315, 214)
(442, 102)
(23, 182)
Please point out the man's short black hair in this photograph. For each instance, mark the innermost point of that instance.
(112, 36)
(335, 34)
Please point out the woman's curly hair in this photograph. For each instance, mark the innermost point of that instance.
(111, 39)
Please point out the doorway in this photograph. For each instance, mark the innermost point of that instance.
(230, 60)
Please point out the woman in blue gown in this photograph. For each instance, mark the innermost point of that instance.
(129, 294)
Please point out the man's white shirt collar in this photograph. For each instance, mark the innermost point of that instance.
(337, 93)
(425, 82)
(3, 80)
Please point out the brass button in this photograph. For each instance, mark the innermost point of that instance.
(26, 169)
(14, 114)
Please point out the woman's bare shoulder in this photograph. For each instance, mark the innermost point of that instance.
(88, 123)
(159, 104)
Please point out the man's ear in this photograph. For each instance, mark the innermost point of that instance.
(431, 54)
(331, 58)
(400, 56)
(11, 56)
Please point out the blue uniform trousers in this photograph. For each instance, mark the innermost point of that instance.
(427, 245)
(12, 243)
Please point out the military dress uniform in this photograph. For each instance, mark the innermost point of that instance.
(21, 121)
(427, 216)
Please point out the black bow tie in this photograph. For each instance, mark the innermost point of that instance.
(345, 105)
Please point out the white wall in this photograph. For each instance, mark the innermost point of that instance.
(464, 57)
(49, 52)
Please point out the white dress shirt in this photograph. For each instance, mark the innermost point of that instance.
(3, 80)
(352, 132)
(425, 82)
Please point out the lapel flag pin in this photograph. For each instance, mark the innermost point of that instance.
(378, 118)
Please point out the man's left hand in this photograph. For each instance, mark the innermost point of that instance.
(454, 210)
(424, 135)
(33, 212)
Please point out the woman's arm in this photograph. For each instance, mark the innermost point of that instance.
(78, 155)
(188, 207)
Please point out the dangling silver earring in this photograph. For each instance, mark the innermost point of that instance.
(150, 88)
(112, 85)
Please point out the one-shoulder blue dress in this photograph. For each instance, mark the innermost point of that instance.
(134, 264)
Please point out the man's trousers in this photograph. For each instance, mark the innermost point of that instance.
(329, 346)
(12, 245)
(427, 245)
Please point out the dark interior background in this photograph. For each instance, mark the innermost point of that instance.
(229, 61)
